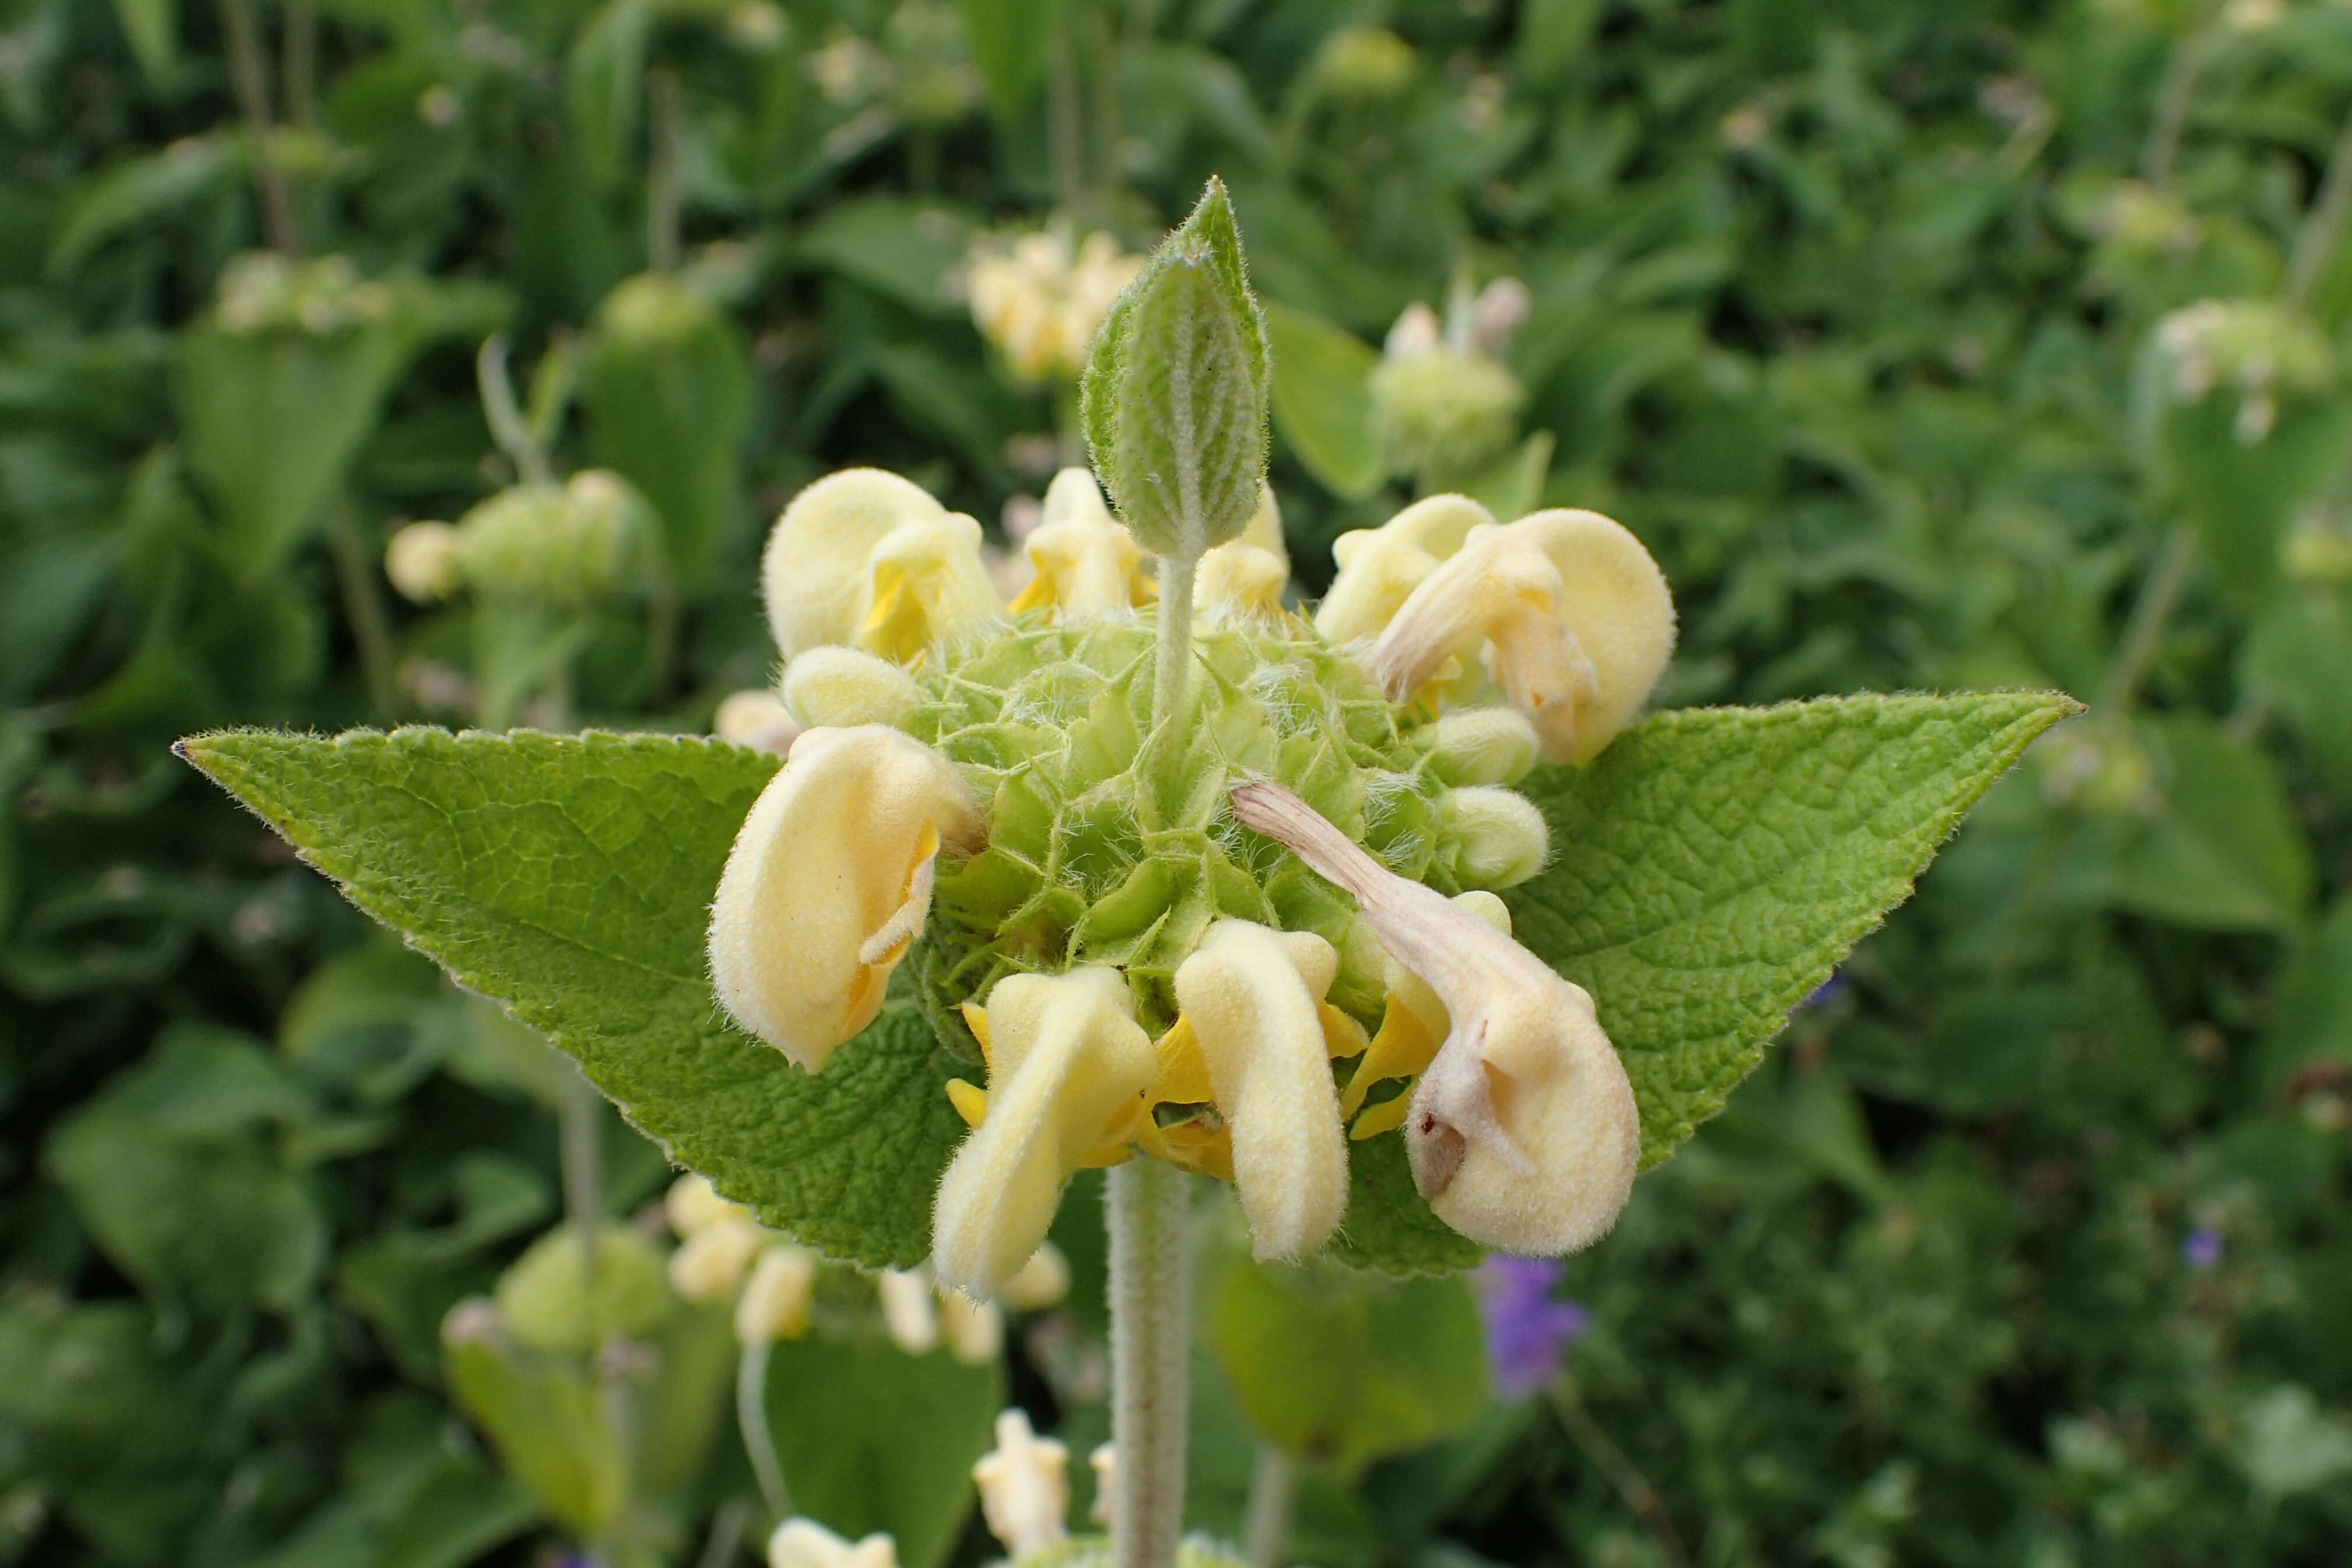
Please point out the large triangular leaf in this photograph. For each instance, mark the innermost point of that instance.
(570, 878)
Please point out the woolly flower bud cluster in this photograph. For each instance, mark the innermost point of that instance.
(1264, 937)
(566, 546)
(263, 292)
(1443, 401)
(2258, 350)
(1040, 298)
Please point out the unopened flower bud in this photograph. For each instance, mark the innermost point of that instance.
(422, 562)
(692, 1203)
(1482, 746)
(910, 1310)
(1491, 838)
(1040, 1283)
(758, 720)
(775, 1301)
(974, 1330)
(1444, 411)
(708, 1265)
(1364, 62)
(840, 688)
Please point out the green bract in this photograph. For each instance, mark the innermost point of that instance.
(1710, 870)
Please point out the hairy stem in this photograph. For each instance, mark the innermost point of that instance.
(751, 1420)
(665, 154)
(2159, 596)
(1150, 1273)
(1172, 664)
(1273, 1502)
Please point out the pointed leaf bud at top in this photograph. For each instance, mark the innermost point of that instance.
(863, 559)
(1087, 566)
(1174, 397)
(1522, 1133)
(839, 688)
(1252, 997)
(829, 881)
(1379, 567)
(1066, 1064)
(1575, 618)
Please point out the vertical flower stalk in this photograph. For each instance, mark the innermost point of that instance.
(1148, 1209)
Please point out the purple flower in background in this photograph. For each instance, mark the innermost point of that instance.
(2202, 1248)
(1524, 1326)
(1822, 995)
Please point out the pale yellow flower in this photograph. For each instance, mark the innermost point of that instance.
(775, 1301)
(863, 559)
(829, 881)
(1025, 1487)
(805, 1543)
(1572, 616)
(1087, 566)
(1379, 567)
(1522, 1130)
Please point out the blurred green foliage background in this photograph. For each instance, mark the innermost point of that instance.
(1927, 345)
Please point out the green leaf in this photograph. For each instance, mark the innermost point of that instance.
(904, 248)
(151, 27)
(666, 383)
(1323, 400)
(870, 1439)
(1334, 1366)
(1011, 42)
(546, 1418)
(1174, 396)
(2224, 852)
(2312, 1023)
(570, 878)
(1714, 865)
(1512, 486)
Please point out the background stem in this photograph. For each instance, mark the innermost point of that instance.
(1150, 1340)
(248, 71)
(2323, 225)
(355, 567)
(1273, 1503)
(758, 1443)
(2172, 101)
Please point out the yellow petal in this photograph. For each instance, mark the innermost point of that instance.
(1242, 582)
(1067, 1060)
(1087, 566)
(1253, 998)
(974, 1330)
(1379, 568)
(758, 720)
(1522, 1133)
(775, 1301)
(910, 1312)
(927, 586)
(805, 1543)
(828, 880)
(708, 1265)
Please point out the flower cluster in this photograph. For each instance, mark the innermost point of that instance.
(564, 545)
(263, 292)
(1040, 298)
(2259, 351)
(1443, 401)
(1233, 939)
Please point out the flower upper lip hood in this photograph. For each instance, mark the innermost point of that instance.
(1573, 614)
(1522, 1132)
(863, 559)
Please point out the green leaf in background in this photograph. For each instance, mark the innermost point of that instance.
(903, 248)
(570, 878)
(1323, 400)
(1512, 486)
(667, 388)
(1328, 1364)
(2241, 495)
(2223, 851)
(272, 420)
(870, 1439)
(2312, 1023)
(2296, 656)
(171, 1171)
(604, 88)
(1011, 42)
(152, 28)
(415, 1495)
(1714, 865)
(546, 1418)
(1174, 396)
